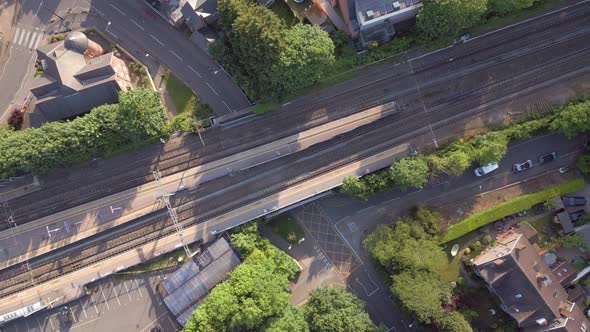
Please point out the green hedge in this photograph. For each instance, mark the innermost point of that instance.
(515, 205)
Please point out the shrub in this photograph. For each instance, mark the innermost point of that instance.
(515, 205)
(487, 240)
(16, 119)
(467, 251)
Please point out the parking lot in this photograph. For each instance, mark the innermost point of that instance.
(117, 303)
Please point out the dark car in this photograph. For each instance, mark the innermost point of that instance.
(573, 200)
(522, 166)
(548, 157)
(65, 314)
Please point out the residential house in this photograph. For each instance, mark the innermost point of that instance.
(373, 20)
(198, 14)
(77, 77)
(526, 287)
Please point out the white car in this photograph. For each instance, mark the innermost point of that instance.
(483, 170)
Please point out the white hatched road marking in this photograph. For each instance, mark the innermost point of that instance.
(138, 288)
(38, 40)
(35, 36)
(22, 37)
(17, 34)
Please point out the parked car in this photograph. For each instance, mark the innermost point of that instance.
(574, 216)
(519, 167)
(548, 157)
(483, 170)
(573, 200)
(65, 314)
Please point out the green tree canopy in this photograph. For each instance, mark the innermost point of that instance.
(410, 172)
(572, 119)
(336, 310)
(454, 322)
(447, 18)
(422, 293)
(292, 320)
(355, 187)
(143, 113)
(503, 7)
(308, 51)
(490, 147)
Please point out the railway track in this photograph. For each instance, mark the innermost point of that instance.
(313, 162)
(62, 196)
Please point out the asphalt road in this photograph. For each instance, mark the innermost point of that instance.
(353, 220)
(484, 73)
(133, 26)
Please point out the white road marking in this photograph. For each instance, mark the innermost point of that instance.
(210, 87)
(24, 37)
(36, 44)
(83, 310)
(39, 324)
(94, 304)
(115, 291)
(196, 72)
(125, 284)
(38, 9)
(156, 39)
(137, 284)
(117, 9)
(223, 101)
(176, 55)
(34, 37)
(51, 323)
(17, 34)
(104, 297)
(285, 104)
(72, 313)
(112, 34)
(139, 26)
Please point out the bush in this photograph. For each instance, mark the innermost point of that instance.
(515, 205)
(138, 117)
(410, 172)
(487, 240)
(16, 119)
(467, 251)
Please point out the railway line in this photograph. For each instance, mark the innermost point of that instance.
(87, 186)
(221, 195)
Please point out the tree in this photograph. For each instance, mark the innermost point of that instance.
(429, 219)
(245, 238)
(409, 172)
(454, 322)
(572, 119)
(584, 164)
(422, 293)
(412, 253)
(336, 310)
(457, 162)
(256, 39)
(446, 18)
(228, 11)
(256, 291)
(378, 182)
(503, 7)
(143, 113)
(307, 52)
(379, 244)
(573, 241)
(490, 147)
(292, 319)
(355, 188)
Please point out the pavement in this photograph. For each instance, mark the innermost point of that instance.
(337, 224)
(118, 303)
(132, 25)
(67, 287)
(65, 227)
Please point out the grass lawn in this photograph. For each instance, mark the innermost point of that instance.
(158, 263)
(544, 228)
(182, 97)
(287, 227)
(512, 206)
